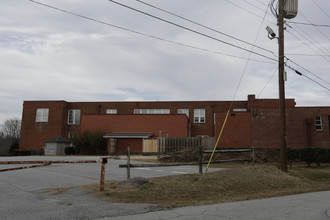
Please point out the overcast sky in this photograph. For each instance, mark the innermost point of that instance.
(47, 54)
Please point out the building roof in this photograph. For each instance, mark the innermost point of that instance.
(128, 135)
(58, 139)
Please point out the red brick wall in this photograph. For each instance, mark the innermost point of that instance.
(171, 125)
(297, 127)
(35, 134)
(265, 123)
(127, 108)
(237, 130)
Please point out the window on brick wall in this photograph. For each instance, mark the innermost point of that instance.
(199, 115)
(152, 111)
(318, 123)
(42, 115)
(111, 111)
(74, 116)
(184, 111)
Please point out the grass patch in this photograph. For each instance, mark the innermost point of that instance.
(319, 174)
(235, 184)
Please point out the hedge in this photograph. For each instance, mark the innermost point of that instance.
(309, 155)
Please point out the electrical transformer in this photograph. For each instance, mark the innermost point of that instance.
(290, 8)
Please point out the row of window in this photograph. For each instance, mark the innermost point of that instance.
(199, 115)
(74, 114)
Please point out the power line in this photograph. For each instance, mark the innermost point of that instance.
(274, 11)
(271, 77)
(261, 2)
(240, 81)
(316, 27)
(250, 12)
(253, 5)
(322, 55)
(316, 44)
(301, 74)
(312, 41)
(273, 8)
(191, 30)
(307, 70)
(201, 25)
(144, 34)
(321, 8)
(311, 24)
(237, 88)
(305, 54)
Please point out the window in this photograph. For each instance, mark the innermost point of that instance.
(184, 111)
(199, 115)
(239, 110)
(111, 111)
(318, 123)
(152, 111)
(42, 115)
(74, 116)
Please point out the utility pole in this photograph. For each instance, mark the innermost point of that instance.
(283, 156)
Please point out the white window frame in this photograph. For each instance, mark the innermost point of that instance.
(318, 123)
(183, 111)
(74, 116)
(152, 111)
(42, 114)
(111, 111)
(199, 116)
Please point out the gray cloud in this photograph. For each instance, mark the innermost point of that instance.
(49, 55)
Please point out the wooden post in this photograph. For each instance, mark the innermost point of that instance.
(252, 156)
(128, 162)
(200, 159)
(103, 162)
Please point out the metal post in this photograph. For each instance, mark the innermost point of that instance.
(128, 162)
(283, 159)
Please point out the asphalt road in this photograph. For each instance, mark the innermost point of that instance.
(31, 194)
(309, 206)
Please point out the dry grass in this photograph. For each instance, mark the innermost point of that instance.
(223, 186)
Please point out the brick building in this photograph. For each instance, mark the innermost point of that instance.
(251, 122)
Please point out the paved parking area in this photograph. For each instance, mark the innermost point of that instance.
(29, 193)
(76, 174)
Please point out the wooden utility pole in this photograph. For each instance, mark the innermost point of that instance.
(283, 158)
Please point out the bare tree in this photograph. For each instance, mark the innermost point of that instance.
(11, 129)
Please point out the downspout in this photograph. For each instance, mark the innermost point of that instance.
(309, 122)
